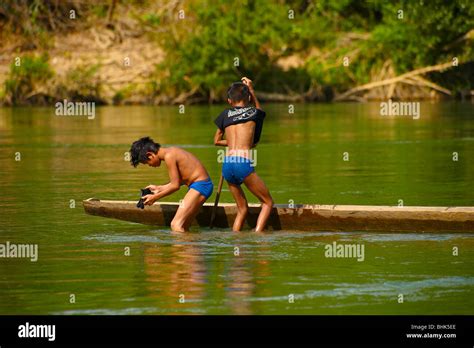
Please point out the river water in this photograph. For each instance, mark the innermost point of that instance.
(320, 154)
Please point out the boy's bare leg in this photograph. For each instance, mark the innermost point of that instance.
(260, 190)
(242, 206)
(187, 211)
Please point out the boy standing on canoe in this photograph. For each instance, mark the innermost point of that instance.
(183, 169)
(242, 126)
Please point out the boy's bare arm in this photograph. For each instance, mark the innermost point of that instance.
(249, 84)
(156, 188)
(169, 188)
(255, 100)
(218, 141)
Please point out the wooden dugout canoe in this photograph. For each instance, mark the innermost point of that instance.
(344, 218)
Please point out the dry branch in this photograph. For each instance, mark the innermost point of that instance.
(401, 78)
(420, 81)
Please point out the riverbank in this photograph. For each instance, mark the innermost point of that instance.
(122, 53)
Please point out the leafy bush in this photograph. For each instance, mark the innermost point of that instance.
(223, 41)
(81, 83)
(422, 37)
(26, 77)
(201, 48)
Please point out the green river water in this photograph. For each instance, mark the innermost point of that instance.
(50, 163)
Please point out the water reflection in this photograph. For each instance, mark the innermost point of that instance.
(176, 271)
(206, 276)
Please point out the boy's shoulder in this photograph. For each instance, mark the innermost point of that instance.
(174, 151)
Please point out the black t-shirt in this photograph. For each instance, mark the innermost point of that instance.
(240, 114)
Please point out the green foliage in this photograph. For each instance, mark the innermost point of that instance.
(150, 19)
(124, 93)
(421, 38)
(32, 17)
(201, 48)
(220, 41)
(26, 77)
(100, 10)
(227, 40)
(82, 83)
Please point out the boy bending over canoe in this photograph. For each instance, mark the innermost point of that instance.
(183, 169)
(242, 126)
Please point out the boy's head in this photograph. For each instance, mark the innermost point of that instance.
(145, 151)
(238, 93)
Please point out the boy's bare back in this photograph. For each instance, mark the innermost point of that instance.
(189, 167)
(240, 136)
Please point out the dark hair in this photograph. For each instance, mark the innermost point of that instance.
(238, 91)
(140, 148)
